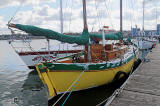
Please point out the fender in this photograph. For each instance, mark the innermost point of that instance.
(118, 74)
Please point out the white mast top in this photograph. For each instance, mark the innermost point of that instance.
(156, 15)
(121, 16)
(61, 16)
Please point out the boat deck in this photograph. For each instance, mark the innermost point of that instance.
(143, 87)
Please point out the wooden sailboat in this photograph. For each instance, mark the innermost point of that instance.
(98, 64)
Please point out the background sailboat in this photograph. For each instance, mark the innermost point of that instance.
(145, 43)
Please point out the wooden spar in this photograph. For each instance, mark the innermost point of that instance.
(61, 16)
(121, 15)
(121, 19)
(86, 28)
(85, 15)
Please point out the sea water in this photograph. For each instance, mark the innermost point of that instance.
(19, 86)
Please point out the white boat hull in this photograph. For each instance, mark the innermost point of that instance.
(143, 44)
(32, 58)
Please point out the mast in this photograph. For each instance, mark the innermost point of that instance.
(143, 17)
(121, 24)
(61, 16)
(85, 15)
(103, 42)
(86, 28)
(48, 41)
(156, 16)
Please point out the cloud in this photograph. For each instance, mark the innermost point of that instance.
(3, 26)
(99, 13)
(47, 17)
(6, 3)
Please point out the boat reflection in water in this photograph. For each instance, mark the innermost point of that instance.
(34, 90)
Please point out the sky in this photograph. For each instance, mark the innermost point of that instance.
(45, 14)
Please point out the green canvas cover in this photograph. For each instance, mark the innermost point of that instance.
(115, 36)
(82, 39)
(129, 39)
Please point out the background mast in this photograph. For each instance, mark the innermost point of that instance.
(121, 15)
(143, 16)
(61, 16)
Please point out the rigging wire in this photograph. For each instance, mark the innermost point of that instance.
(133, 11)
(65, 10)
(131, 18)
(108, 12)
(98, 15)
(70, 21)
(13, 17)
(129, 5)
(93, 24)
(128, 18)
(70, 10)
(125, 21)
(14, 14)
(156, 15)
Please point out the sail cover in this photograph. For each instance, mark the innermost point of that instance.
(82, 39)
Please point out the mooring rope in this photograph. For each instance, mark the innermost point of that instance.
(72, 85)
(72, 89)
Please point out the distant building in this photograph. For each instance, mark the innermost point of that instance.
(135, 31)
(158, 29)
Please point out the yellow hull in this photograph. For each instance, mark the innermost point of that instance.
(58, 82)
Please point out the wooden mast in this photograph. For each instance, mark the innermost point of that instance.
(85, 15)
(87, 47)
(121, 26)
